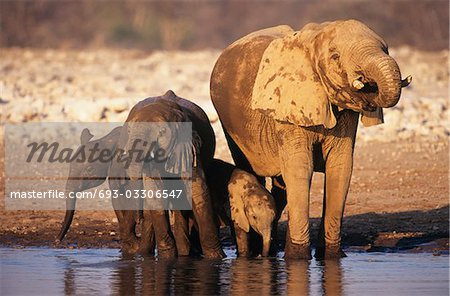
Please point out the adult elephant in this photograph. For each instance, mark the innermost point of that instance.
(154, 128)
(289, 103)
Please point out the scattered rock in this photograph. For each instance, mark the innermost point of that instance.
(102, 85)
(117, 105)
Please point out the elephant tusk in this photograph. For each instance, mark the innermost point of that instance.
(406, 81)
(357, 84)
(277, 184)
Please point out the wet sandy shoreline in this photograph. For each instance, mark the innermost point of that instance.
(382, 213)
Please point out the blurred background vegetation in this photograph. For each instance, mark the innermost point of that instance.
(196, 24)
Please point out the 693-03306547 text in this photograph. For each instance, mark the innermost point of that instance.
(98, 193)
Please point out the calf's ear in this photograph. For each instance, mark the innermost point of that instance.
(237, 208)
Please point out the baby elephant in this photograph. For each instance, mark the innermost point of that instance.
(252, 206)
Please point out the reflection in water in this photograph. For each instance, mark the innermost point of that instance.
(331, 277)
(182, 276)
(85, 272)
(237, 276)
(258, 276)
(69, 281)
(298, 277)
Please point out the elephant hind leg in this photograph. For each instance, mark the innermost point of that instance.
(203, 213)
(239, 158)
(181, 232)
(194, 238)
(279, 194)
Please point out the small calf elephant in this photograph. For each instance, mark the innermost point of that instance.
(251, 206)
(240, 201)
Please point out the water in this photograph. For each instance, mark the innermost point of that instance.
(40, 271)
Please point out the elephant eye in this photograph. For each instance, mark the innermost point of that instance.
(334, 56)
(162, 131)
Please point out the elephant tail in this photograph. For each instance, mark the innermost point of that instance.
(70, 211)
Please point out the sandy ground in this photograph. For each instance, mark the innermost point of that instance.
(399, 197)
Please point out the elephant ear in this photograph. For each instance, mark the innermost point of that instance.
(184, 154)
(286, 87)
(237, 207)
(180, 159)
(85, 136)
(238, 212)
(372, 118)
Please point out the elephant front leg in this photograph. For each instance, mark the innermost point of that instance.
(203, 213)
(127, 215)
(338, 173)
(241, 241)
(164, 239)
(147, 240)
(160, 219)
(297, 174)
(181, 233)
(128, 240)
(127, 222)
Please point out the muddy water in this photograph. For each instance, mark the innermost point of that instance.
(104, 271)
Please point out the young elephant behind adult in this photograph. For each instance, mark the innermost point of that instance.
(241, 202)
(159, 120)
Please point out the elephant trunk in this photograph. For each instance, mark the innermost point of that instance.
(385, 73)
(266, 243)
(70, 211)
(135, 171)
(135, 150)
